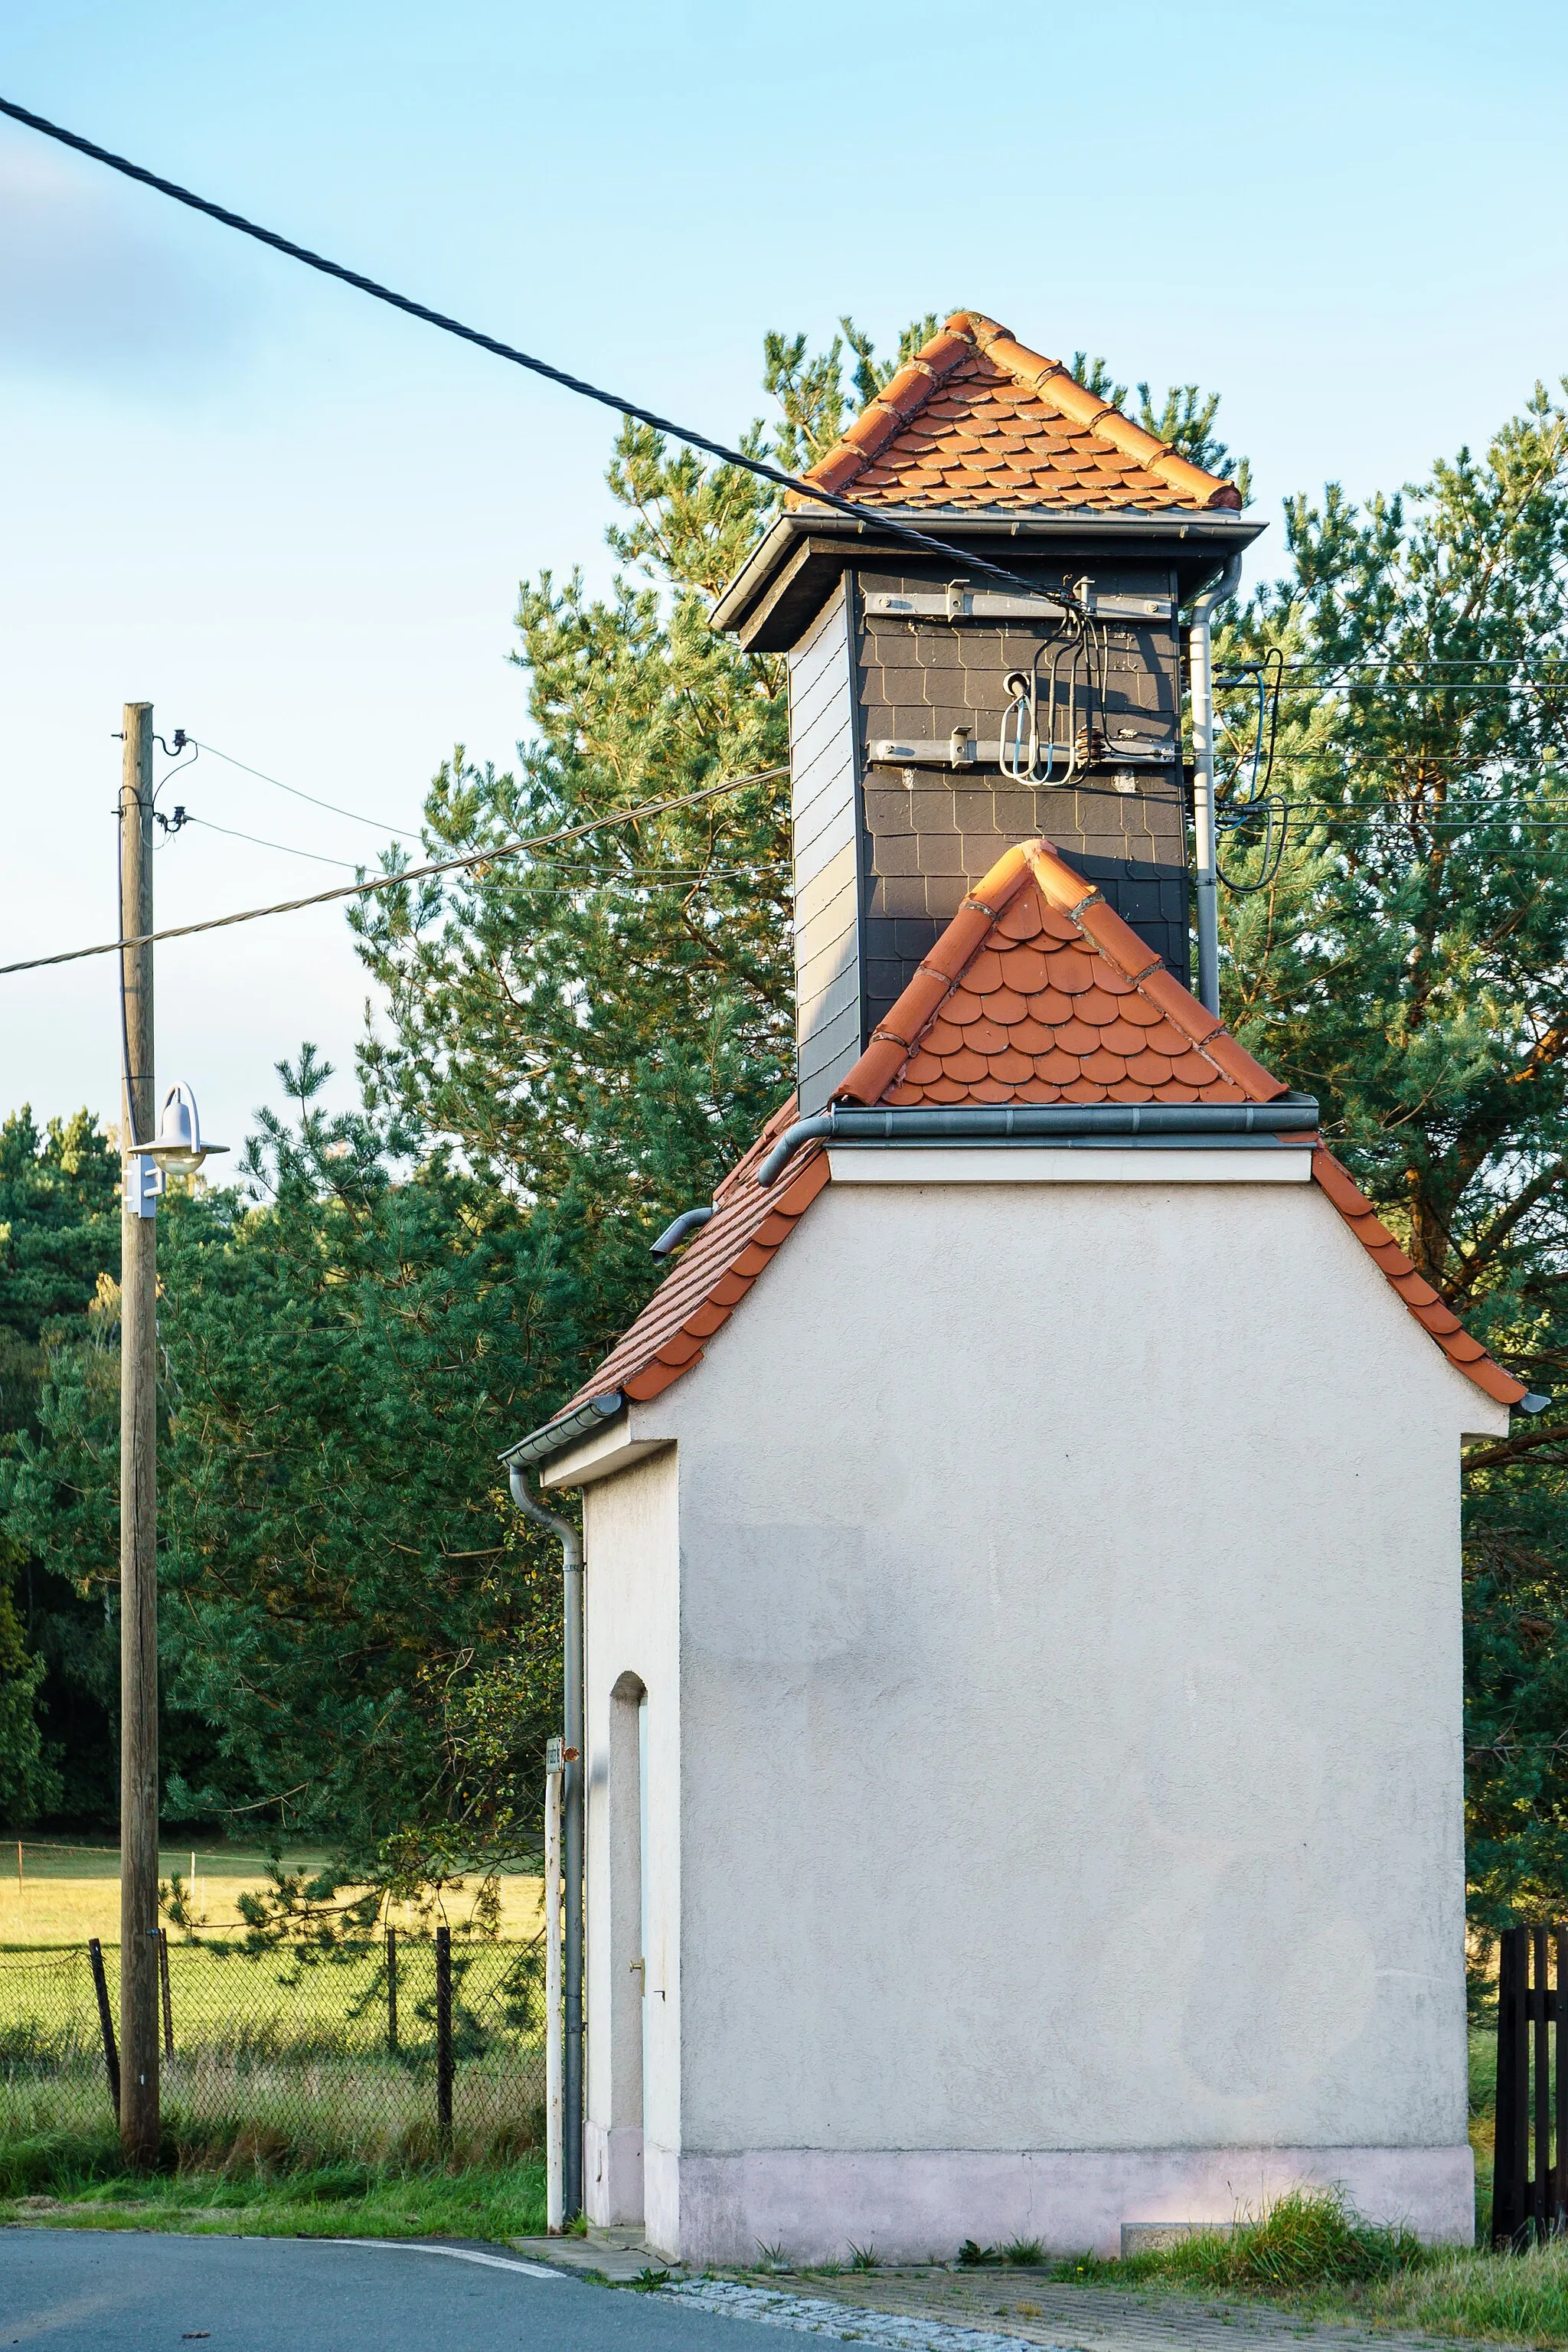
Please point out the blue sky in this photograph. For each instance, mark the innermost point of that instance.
(296, 522)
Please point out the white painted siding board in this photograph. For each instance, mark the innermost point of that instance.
(829, 894)
(814, 652)
(841, 994)
(822, 696)
(822, 751)
(826, 1055)
(828, 814)
(838, 833)
(823, 720)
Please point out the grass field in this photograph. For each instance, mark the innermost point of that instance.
(65, 1892)
(84, 2186)
(288, 2055)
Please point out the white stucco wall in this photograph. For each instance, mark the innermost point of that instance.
(1069, 1723)
(630, 1630)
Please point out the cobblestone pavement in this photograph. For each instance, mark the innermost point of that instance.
(980, 2311)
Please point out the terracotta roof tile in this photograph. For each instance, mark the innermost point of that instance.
(1081, 1014)
(1466, 1353)
(712, 1274)
(1084, 1014)
(1011, 428)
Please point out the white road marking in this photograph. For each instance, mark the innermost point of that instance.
(453, 2253)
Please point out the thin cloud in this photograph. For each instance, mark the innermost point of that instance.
(90, 290)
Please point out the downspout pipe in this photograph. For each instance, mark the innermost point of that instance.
(690, 1221)
(572, 1836)
(1164, 1125)
(1205, 845)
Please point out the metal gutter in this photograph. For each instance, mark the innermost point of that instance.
(1159, 1126)
(555, 1436)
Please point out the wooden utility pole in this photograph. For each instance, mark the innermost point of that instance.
(139, 2118)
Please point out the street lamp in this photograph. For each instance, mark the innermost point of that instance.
(178, 1147)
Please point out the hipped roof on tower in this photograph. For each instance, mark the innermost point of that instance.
(977, 438)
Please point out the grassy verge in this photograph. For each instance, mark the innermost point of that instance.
(81, 2183)
(1309, 2255)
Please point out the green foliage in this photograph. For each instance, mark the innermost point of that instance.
(59, 1231)
(1407, 965)
(202, 2184)
(347, 1598)
(1305, 2238)
(347, 1584)
(1306, 2243)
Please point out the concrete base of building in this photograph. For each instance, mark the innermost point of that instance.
(613, 2174)
(914, 2205)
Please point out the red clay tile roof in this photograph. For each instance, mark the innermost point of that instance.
(1039, 991)
(1416, 1292)
(1036, 991)
(712, 1274)
(976, 420)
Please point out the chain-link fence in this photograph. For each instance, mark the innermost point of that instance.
(396, 2046)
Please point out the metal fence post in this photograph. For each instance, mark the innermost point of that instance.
(444, 2033)
(1510, 2162)
(105, 2022)
(1560, 2170)
(392, 1990)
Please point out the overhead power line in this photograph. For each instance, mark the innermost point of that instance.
(382, 825)
(969, 558)
(316, 857)
(412, 873)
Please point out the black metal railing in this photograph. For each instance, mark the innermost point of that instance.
(1530, 2174)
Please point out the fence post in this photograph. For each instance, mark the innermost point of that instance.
(105, 2022)
(555, 2085)
(392, 1990)
(1510, 2161)
(444, 2033)
(1560, 2169)
(164, 1982)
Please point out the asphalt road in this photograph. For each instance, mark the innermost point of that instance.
(133, 2291)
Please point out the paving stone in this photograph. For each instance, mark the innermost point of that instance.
(976, 2311)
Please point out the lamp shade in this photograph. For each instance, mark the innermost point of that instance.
(178, 1147)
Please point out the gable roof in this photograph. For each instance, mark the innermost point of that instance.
(712, 1274)
(1036, 991)
(1039, 991)
(977, 419)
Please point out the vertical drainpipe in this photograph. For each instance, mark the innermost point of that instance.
(1200, 674)
(572, 1840)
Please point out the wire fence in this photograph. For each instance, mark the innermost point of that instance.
(401, 2045)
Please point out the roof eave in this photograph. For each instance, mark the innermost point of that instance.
(1223, 529)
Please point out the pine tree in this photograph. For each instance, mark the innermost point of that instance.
(1403, 957)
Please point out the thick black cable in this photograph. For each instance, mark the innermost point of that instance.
(968, 558)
